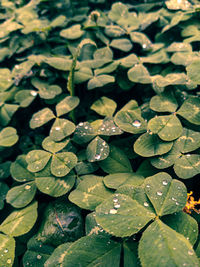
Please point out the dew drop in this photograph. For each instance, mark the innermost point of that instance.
(86, 127)
(113, 211)
(27, 187)
(159, 193)
(81, 124)
(57, 128)
(136, 123)
(144, 46)
(102, 129)
(6, 250)
(97, 156)
(39, 257)
(17, 66)
(177, 203)
(115, 199)
(174, 248)
(9, 261)
(148, 186)
(33, 93)
(190, 252)
(164, 182)
(47, 188)
(116, 205)
(173, 199)
(146, 204)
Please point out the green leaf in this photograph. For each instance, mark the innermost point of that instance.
(82, 75)
(148, 145)
(104, 52)
(25, 97)
(90, 192)
(46, 90)
(5, 170)
(63, 163)
(7, 250)
(97, 150)
(167, 196)
(8, 137)
(61, 128)
(114, 31)
(62, 222)
(187, 166)
(72, 33)
(89, 250)
(37, 253)
(175, 4)
(100, 81)
(6, 113)
(5, 79)
(3, 191)
(122, 44)
(116, 180)
(190, 110)
(130, 254)
(193, 71)
(122, 216)
(187, 142)
(84, 133)
(37, 160)
(179, 47)
(41, 117)
(117, 161)
(20, 196)
(54, 186)
(162, 245)
(118, 11)
(104, 106)
(52, 146)
(130, 121)
(66, 105)
(109, 128)
(141, 38)
(164, 102)
(139, 74)
(184, 224)
(129, 61)
(20, 222)
(159, 57)
(167, 127)
(18, 170)
(59, 63)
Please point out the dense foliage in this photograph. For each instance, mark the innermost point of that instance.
(99, 133)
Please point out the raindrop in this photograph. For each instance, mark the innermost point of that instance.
(146, 204)
(164, 182)
(17, 66)
(190, 252)
(37, 167)
(177, 203)
(102, 129)
(116, 205)
(144, 46)
(39, 257)
(97, 156)
(27, 187)
(173, 199)
(9, 261)
(57, 128)
(148, 186)
(113, 211)
(188, 155)
(81, 124)
(174, 248)
(136, 123)
(6, 250)
(33, 93)
(115, 199)
(47, 188)
(159, 193)
(59, 172)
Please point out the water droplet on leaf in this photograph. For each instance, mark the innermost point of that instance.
(159, 193)
(113, 211)
(146, 204)
(164, 182)
(136, 123)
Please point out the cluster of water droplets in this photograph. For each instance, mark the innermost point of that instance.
(9, 261)
(116, 206)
